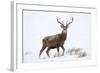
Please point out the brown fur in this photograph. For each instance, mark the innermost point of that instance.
(55, 41)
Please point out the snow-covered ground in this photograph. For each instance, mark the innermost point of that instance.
(55, 58)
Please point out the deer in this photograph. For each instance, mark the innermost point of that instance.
(57, 40)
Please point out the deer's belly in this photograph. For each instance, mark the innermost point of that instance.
(52, 45)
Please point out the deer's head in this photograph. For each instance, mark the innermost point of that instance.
(65, 27)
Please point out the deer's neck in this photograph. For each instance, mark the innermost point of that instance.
(63, 36)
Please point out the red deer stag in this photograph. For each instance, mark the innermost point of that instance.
(56, 41)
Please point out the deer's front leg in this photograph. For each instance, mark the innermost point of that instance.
(63, 50)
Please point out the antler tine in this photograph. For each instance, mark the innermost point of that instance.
(60, 22)
(70, 21)
(66, 22)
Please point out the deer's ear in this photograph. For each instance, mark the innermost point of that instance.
(62, 26)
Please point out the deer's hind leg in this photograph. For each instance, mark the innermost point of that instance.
(47, 52)
(58, 51)
(43, 47)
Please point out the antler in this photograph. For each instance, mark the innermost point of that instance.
(70, 21)
(62, 23)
